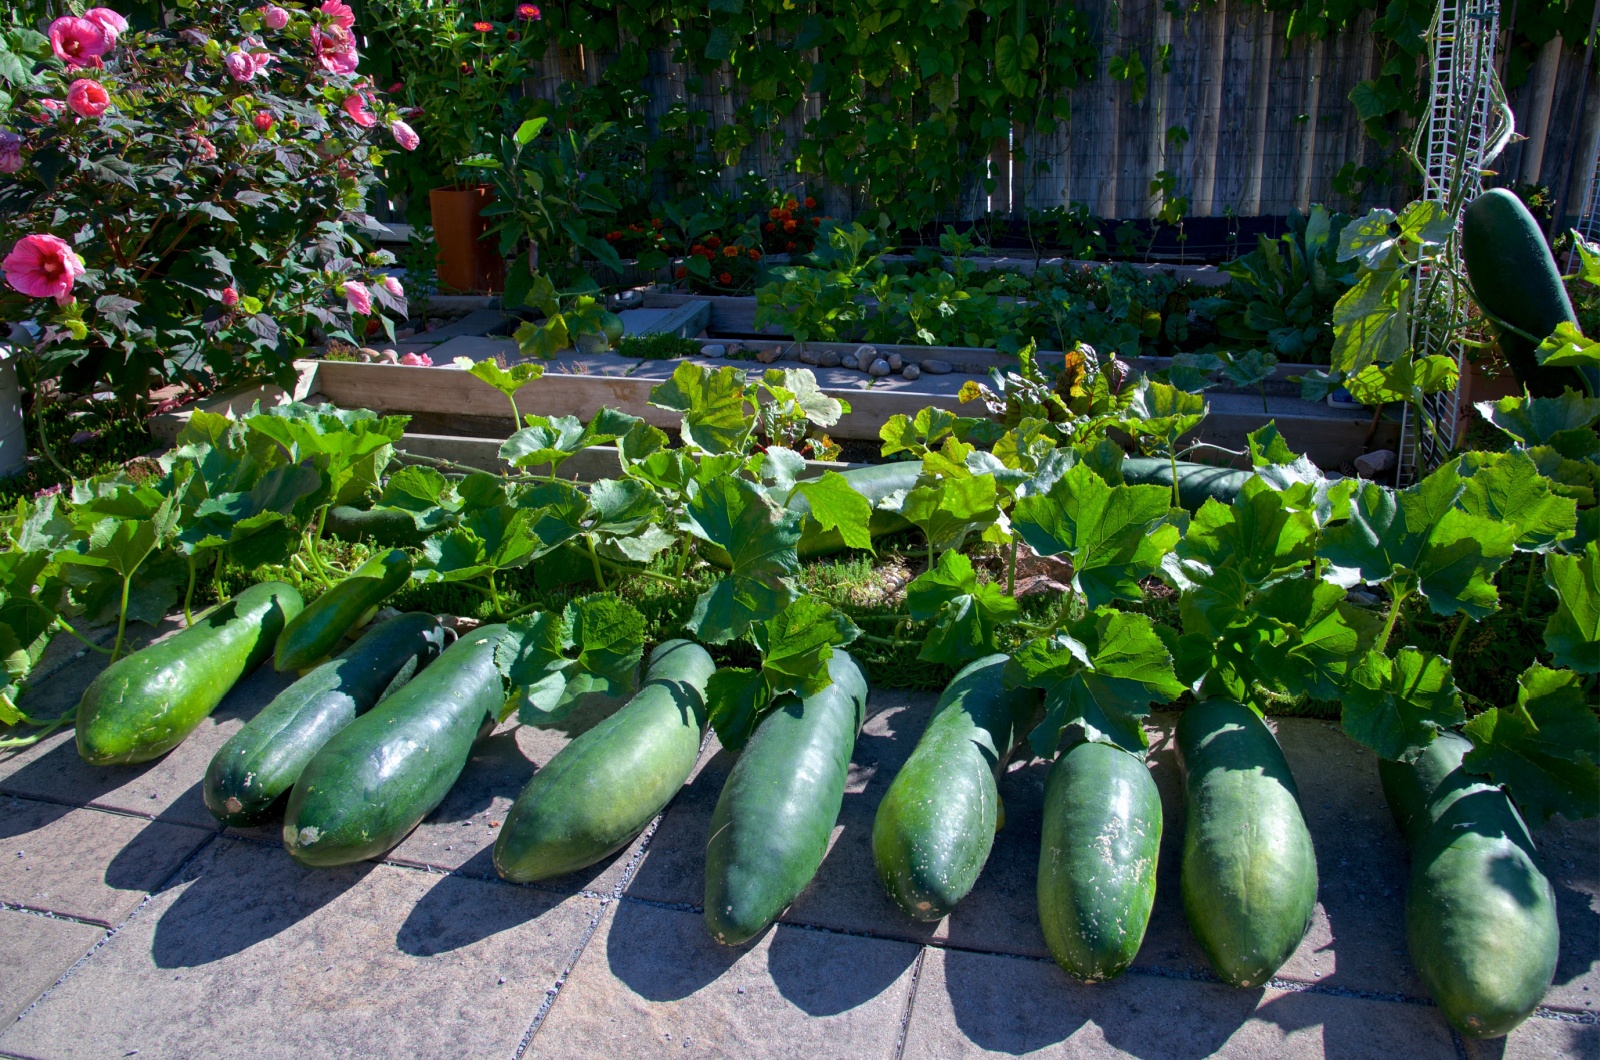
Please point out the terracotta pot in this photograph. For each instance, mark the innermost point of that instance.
(467, 260)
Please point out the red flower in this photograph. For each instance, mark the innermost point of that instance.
(790, 248)
(811, 204)
(513, 36)
(725, 279)
(262, 120)
(789, 204)
(483, 27)
(466, 68)
(655, 222)
(755, 255)
(769, 226)
(396, 87)
(528, 12)
(87, 98)
(773, 213)
(681, 273)
(697, 248)
(789, 226)
(713, 242)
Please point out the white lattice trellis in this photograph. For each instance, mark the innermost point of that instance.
(1467, 124)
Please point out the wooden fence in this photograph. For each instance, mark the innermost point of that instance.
(1247, 123)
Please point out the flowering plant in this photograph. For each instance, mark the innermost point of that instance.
(184, 201)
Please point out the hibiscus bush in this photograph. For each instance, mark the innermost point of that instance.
(183, 200)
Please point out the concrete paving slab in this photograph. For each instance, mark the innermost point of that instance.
(460, 834)
(252, 956)
(167, 788)
(972, 1005)
(85, 863)
(1539, 1038)
(34, 951)
(1571, 852)
(652, 983)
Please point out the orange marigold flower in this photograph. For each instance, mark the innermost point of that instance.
(755, 255)
(789, 226)
(773, 213)
(725, 279)
(784, 215)
(789, 204)
(811, 204)
(768, 226)
(713, 242)
(697, 248)
(730, 252)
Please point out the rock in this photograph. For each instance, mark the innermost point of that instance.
(878, 368)
(368, 353)
(1371, 465)
(714, 349)
(435, 322)
(389, 357)
(767, 356)
(911, 371)
(865, 355)
(404, 333)
(933, 367)
(828, 359)
(810, 356)
(896, 362)
(1365, 599)
(849, 361)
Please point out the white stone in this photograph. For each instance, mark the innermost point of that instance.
(714, 349)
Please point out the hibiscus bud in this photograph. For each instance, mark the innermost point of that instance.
(263, 120)
(274, 17)
(230, 296)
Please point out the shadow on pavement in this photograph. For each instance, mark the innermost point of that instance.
(665, 955)
(224, 912)
(454, 915)
(799, 965)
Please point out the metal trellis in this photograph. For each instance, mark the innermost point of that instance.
(1467, 124)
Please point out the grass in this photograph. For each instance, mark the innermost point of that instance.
(658, 346)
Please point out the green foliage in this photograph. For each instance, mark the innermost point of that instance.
(552, 660)
(1573, 635)
(1545, 750)
(965, 612)
(1397, 706)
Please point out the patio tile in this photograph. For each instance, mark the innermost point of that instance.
(252, 956)
(1571, 852)
(1539, 1039)
(652, 983)
(167, 788)
(460, 834)
(85, 863)
(34, 951)
(972, 1005)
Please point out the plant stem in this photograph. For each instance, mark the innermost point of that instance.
(891, 642)
(1461, 627)
(1395, 604)
(44, 440)
(122, 618)
(29, 741)
(594, 561)
(66, 628)
(188, 596)
(494, 595)
(1011, 573)
(1172, 458)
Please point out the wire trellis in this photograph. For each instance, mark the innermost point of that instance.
(1468, 123)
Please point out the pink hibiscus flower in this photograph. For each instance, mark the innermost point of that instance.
(78, 41)
(111, 23)
(241, 67)
(230, 296)
(404, 135)
(356, 296)
(417, 360)
(336, 49)
(274, 17)
(10, 151)
(87, 98)
(340, 13)
(393, 286)
(355, 105)
(43, 267)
